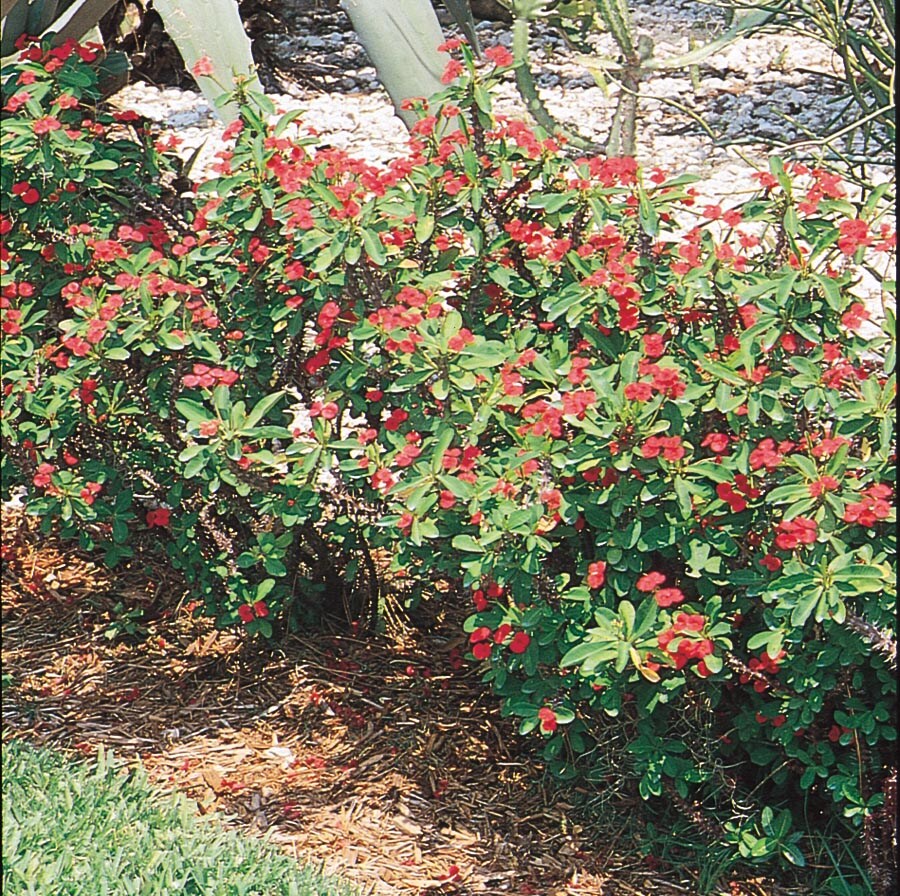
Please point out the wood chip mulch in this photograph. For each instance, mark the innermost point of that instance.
(382, 759)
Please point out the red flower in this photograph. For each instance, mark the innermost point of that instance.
(650, 581)
(397, 416)
(765, 455)
(825, 484)
(548, 719)
(453, 70)
(520, 642)
(793, 533)
(500, 56)
(246, 613)
(159, 517)
(46, 124)
(717, 442)
(260, 609)
(482, 650)
(654, 345)
(853, 317)
(42, 476)
(726, 492)
(596, 574)
(853, 234)
(202, 68)
(447, 500)
(638, 391)
(668, 597)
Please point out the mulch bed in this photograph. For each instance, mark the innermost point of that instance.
(383, 758)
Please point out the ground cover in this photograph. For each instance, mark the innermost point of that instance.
(375, 757)
(78, 829)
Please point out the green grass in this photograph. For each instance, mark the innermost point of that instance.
(97, 829)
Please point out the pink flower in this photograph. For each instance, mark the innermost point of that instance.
(46, 124)
(548, 719)
(202, 68)
(596, 575)
(452, 71)
(668, 597)
(500, 56)
(650, 581)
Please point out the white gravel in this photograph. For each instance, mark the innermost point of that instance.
(755, 94)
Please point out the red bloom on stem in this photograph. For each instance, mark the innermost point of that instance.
(717, 442)
(42, 476)
(453, 70)
(500, 56)
(765, 455)
(793, 533)
(853, 234)
(726, 492)
(159, 517)
(397, 416)
(638, 391)
(46, 124)
(245, 612)
(668, 597)
(548, 719)
(854, 316)
(596, 574)
(825, 484)
(650, 581)
(520, 642)
(202, 68)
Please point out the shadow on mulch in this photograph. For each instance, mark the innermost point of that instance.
(383, 759)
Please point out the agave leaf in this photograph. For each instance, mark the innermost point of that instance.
(462, 15)
(79, 18)
(15, 19)
(401, 38)
(212, 29)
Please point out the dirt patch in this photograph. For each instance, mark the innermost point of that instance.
(384, 759)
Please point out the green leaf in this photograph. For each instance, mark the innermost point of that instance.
(262, 407)
(193, 411)
(467, 543)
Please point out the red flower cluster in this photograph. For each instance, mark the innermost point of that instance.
(483, 639)
(873, 507)
(678, 642)
(737, 502)
(765, 455)
(259, 610)
(762, 665)
(671, 447)
(596, 574)
(793, 533)
(207, 377)
(665, 597)
(852, 235)
(548, 719)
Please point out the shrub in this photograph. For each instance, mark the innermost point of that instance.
(651, 442)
